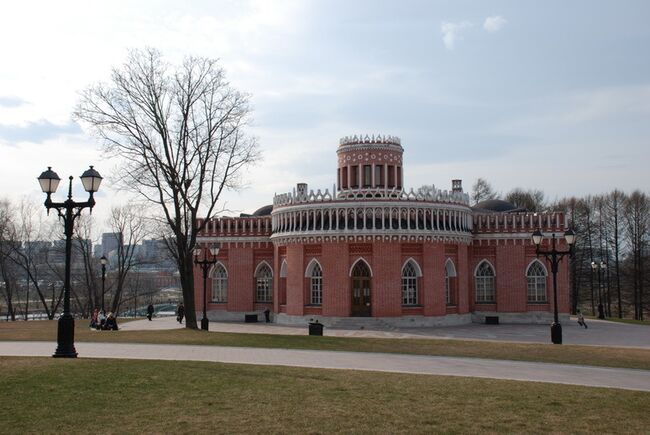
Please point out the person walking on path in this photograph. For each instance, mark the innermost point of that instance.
(150, 311)
(581, 320)
(180, 313)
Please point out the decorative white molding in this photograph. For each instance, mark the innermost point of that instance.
(437, 196)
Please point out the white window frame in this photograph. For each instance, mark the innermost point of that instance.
(484, 280)
(219, 284)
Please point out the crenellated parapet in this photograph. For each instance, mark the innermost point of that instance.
(520, 223)
(370, 139)
(253, 226)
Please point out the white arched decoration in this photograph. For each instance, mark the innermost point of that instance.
(310, 267)
(355, 263)
(450, 268)
(416, 266)
(261, 265)
(450, 272)
(536, 261)
(214, 268)
(283, 269)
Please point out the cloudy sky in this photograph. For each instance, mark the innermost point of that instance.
(552, 95)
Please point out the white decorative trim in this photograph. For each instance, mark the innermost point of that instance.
(214, 268)
(283, 268)
(533, 261)
(259, 265)
(485, 260)
(449, 261)
(310, 267)
(355, 263)
(418, 269)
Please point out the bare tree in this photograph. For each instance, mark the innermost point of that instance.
(28, 248)
(614, 210)
(482, 190)
(531, 200)
(7, 272)
(129, 223)
(637, 207)
(89, 270)
(180, 132)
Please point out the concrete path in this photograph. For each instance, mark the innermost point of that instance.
(629, 379)
(600, 333)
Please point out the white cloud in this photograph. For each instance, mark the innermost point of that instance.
(494, 24)
(452, 32)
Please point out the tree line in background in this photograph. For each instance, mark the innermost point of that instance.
(32, 262)
(612, 251)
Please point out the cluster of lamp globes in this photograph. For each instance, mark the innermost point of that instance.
(49, 181)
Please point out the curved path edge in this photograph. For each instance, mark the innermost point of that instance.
(629, 379)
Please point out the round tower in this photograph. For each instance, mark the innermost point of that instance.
(369, 162)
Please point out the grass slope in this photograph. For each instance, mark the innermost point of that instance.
(121, 396)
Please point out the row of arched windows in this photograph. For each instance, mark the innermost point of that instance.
(484, 283)
(263, 284)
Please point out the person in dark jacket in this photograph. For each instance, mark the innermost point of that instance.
(180, 313)
(111, 323)
(150, 311)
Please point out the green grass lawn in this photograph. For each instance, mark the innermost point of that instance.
(617, 320)
(122, 396)
(569, 354)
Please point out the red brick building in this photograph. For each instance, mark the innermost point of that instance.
(370, 248)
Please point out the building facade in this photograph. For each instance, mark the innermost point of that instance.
(370, 248)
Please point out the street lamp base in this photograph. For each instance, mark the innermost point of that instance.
(65, 338)
(204, 323)
(556, 333)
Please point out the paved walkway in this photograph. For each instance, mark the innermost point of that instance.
(600, 333)
(474, 367)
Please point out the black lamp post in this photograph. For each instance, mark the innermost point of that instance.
(104, 262)
(554, 256)
(597, 267)
(209, 258)
(68, 211)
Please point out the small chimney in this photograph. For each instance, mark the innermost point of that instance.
(457, 186)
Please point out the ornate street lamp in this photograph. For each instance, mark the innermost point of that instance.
(68, 211)
(597, 267)
(209, 258)
(104, 262)
(554, 256)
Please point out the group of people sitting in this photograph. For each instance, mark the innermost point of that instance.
(103, 322)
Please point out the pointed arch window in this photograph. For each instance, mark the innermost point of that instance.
(484, 279)
(536, 276)
(264, 284)
(316, 285)
(450, 274)
(409, 285)
(219, 284)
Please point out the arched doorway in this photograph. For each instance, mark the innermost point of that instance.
(360, 277)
